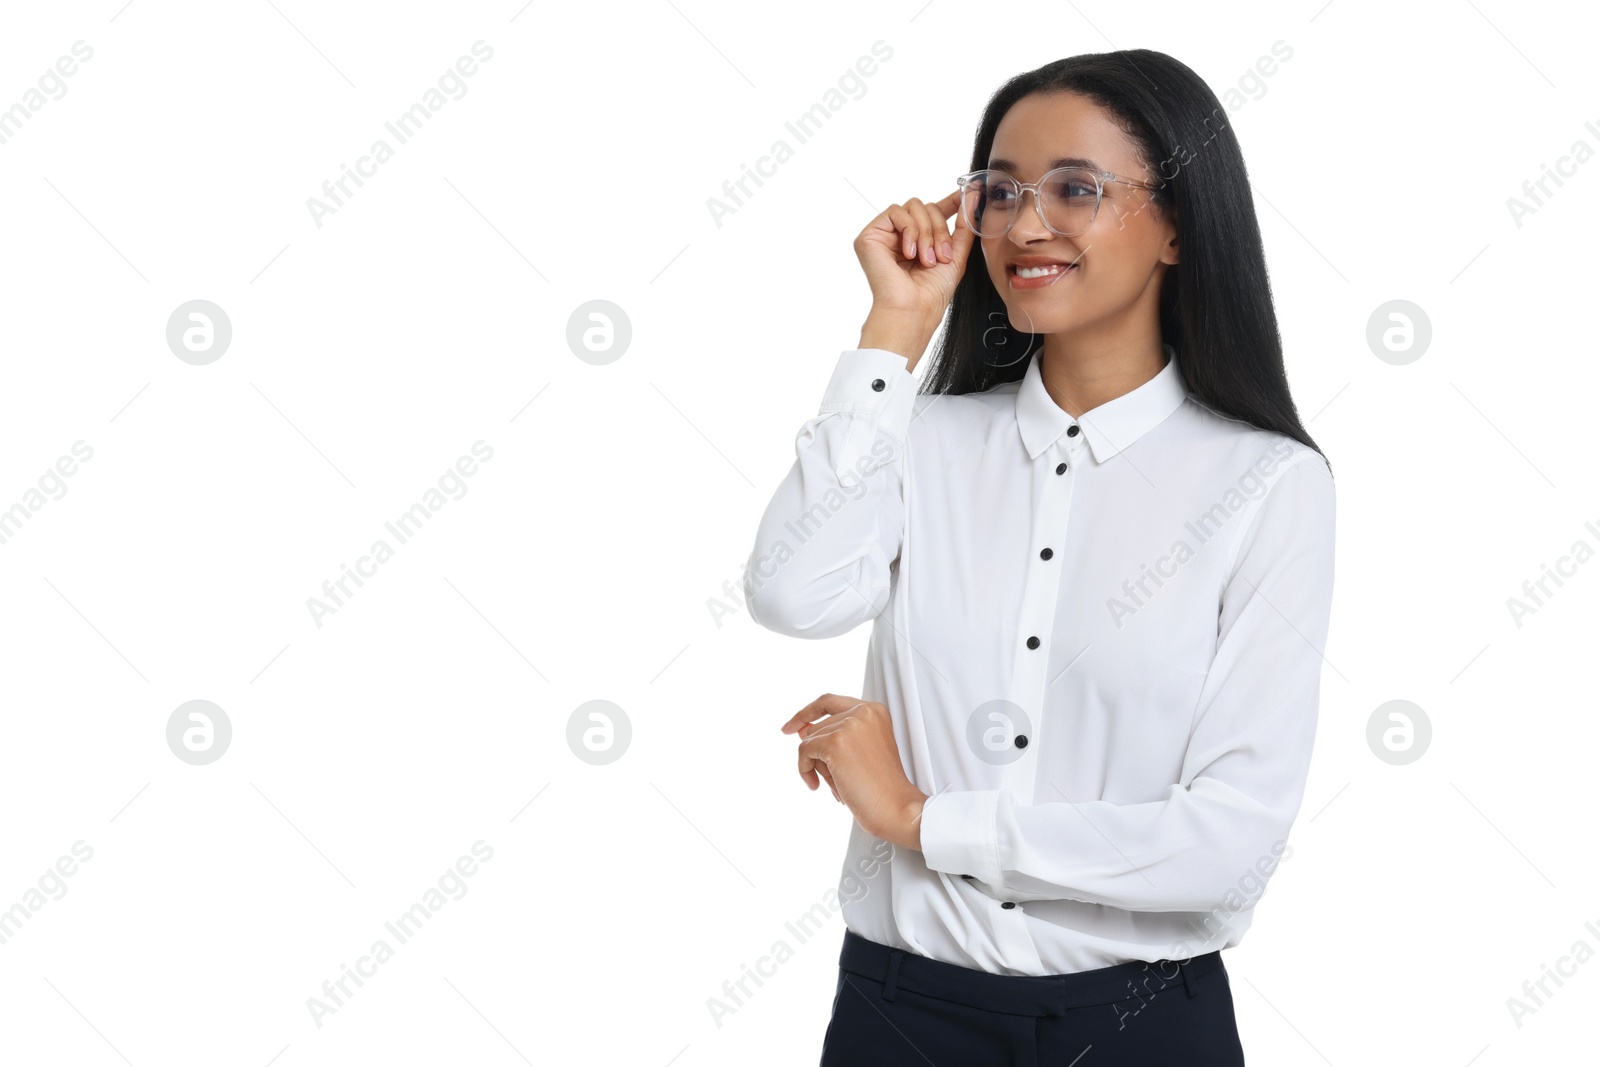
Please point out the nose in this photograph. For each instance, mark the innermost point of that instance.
(1028, 226)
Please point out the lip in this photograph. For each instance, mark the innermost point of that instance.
(1037, 261)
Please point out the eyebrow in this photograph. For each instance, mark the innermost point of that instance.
(1066, 161)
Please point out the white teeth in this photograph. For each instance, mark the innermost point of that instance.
(1042, 272)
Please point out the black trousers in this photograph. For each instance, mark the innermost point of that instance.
(893, 1007)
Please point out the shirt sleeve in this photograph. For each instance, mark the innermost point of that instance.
(820, 565)
(1244, 770)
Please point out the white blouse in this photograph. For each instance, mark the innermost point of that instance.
(1098, 638)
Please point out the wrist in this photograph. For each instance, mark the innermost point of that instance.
(898, 332)
(911, 821)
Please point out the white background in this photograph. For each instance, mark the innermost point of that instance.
(431, 710)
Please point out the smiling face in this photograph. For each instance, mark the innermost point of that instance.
(1118, 260)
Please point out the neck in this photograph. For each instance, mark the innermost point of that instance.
(1081, 371)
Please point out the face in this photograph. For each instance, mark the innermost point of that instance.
(1118, 260)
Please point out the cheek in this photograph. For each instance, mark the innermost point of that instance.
(1122, 256)
(1130, 231)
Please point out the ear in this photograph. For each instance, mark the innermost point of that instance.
(1169, 251)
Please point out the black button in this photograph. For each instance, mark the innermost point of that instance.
(1061, 468)
(1022, 741)
(1072, 431)
(1046, 554)
(1008, 904)
(1033, 642)
(877, 386)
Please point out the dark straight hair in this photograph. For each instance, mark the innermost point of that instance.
(1216, 303)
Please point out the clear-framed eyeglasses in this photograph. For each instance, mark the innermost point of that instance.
(1067, 199)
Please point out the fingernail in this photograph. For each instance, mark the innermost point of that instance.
(945, 248)
(913, 250)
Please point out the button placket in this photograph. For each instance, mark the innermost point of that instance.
(1052, 495)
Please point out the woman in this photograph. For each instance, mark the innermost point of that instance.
(1097, 551)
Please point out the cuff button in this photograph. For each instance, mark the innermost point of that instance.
(878, 385)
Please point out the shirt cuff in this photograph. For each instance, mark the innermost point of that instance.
(865, 379)
(959, 834)
(874, 388)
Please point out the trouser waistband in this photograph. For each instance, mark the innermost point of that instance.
(1035, 995)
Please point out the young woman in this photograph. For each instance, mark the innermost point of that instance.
(1097, 551)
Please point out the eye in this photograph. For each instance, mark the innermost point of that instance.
(1071, 187)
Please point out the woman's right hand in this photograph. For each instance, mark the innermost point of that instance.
(913, 262)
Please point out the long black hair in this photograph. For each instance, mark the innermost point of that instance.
(1216, 303)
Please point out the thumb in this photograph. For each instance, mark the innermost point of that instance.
(961, 244)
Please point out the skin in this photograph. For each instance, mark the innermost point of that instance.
(854, 751)
(1102, 338)
(1101, 326)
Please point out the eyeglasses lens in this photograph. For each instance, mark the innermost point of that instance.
(1069, 198)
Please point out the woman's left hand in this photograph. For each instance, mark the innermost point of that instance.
(855, 751)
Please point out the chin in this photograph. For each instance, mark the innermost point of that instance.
(1043, 320)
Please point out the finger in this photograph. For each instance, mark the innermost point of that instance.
(808, 769)
(961, 244)
(814, 765)
(924, 249)
(809, 730)
(938, 233)
(814, 731)
(930, 225)
(906, 227)
(810, 713)
(913, 228)
(826, 704)
(892, 224)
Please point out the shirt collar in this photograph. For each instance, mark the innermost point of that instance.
(1110, 427)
